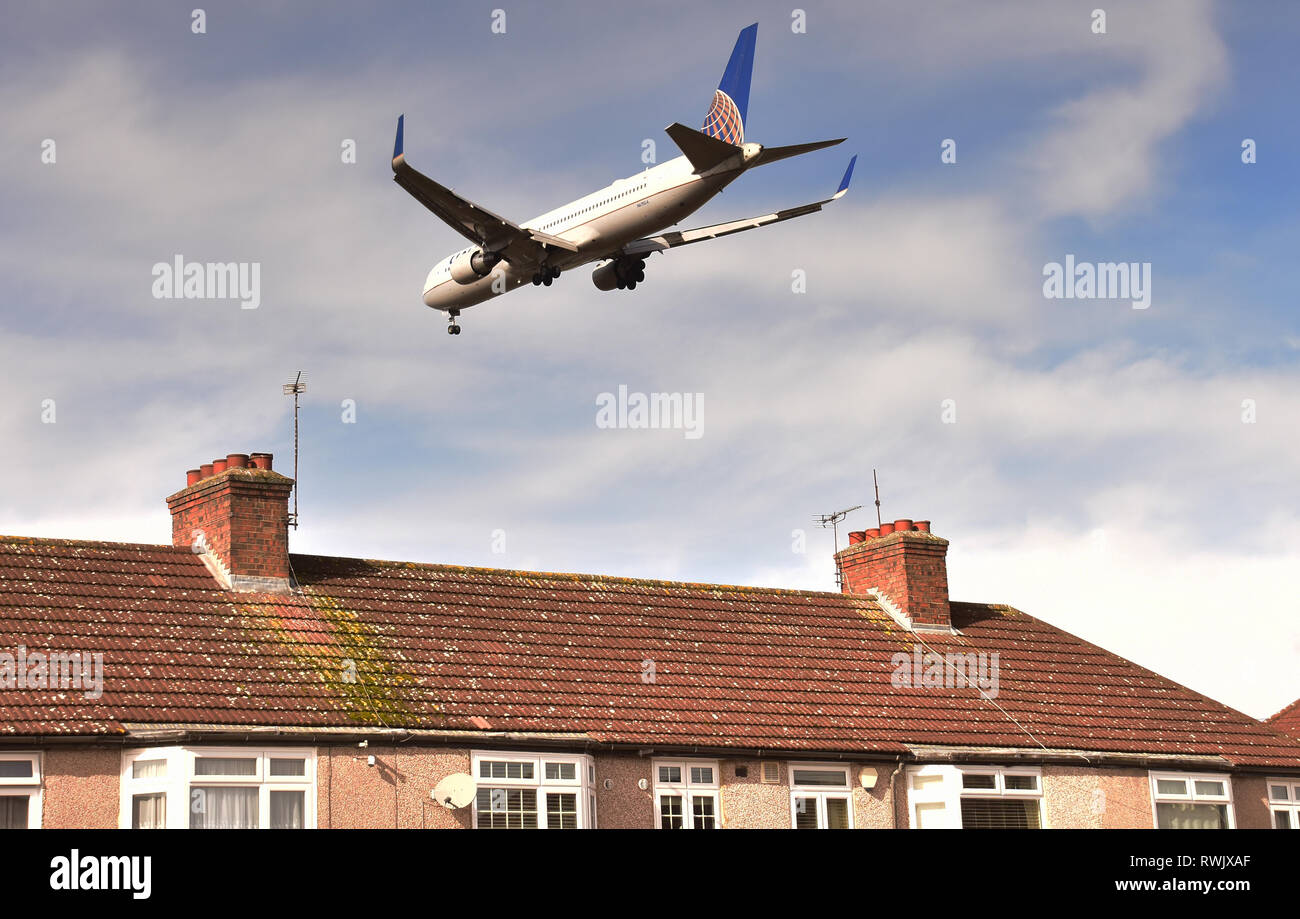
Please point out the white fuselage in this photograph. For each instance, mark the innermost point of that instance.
(598, 224)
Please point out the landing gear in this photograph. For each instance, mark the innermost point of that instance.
(546, 275)
(629, 272)
(453, 328)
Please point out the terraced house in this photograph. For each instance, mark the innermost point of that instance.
(222, 681)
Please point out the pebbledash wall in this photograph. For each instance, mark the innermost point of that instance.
(82, 786)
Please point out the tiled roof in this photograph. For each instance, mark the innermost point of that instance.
(368, 643)
(1287, 721)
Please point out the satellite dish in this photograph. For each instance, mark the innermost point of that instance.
(455, 791)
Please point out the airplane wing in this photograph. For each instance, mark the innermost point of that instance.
(475, 223)
(672, 240)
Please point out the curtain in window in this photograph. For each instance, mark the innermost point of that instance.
(223, 808)
(149, 812)
(13, 812)
(288, 809)
(1185, 816)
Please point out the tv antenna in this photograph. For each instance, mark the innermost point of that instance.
(295, 389)
(832, 520)
(876, 483)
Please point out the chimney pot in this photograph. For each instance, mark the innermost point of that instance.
(886, 529)
(902, 525)
(261, 460)
(856, 536)
(191, 476)
(205, 470)
(237, 461)
(218, 466)
(873, 532)
(923, 526)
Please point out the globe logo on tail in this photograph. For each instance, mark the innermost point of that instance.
(723, 120)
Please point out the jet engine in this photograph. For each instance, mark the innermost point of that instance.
(468, 267)
(622, 273)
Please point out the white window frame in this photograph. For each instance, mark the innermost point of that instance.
(180, 779)
(581, 786)
(820, 793)
(32, 787)
(688, 790)
(1191, 797)
(943, 785)
(1289, 806)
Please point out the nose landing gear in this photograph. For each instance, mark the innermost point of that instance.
(453, 328)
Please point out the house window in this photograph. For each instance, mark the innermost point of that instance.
(976, 797)
(686, 795)
(212, 788)
(1191, 801)
(20, 791)
(1284, 803)
(529, 791)
(820, 797)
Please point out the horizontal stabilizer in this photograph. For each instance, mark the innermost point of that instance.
(772, 154)
(703, 151)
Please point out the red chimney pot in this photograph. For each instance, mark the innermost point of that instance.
(237, 461)
(923, 526)
(886, 529)
(218, 466)
(902, 525)
(192, 476)
(856, 536)
(873, 532)
(260, 460)
(205, 470)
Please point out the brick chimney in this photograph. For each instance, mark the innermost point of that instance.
(905, 566)
(234, 513)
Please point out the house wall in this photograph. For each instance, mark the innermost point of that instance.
(393, 793)
(82, 790)
(624, 804)
(1250, 802)
(748, 803)
(1079, 797)
(81, 787)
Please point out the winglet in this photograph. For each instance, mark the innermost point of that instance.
(848, 177)
(397, 144)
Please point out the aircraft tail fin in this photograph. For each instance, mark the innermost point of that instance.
(726, 116)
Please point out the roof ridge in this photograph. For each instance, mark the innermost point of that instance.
(580, 576)
(90, 543)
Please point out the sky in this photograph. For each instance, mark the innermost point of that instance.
(1129, 475)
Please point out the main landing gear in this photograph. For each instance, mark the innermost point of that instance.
(453, 328)
(546, 275)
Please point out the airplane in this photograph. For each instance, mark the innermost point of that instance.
(621, 224)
